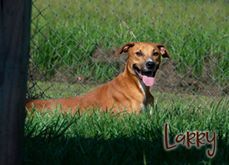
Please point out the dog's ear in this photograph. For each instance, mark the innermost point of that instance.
(163, 50)
(126, 47)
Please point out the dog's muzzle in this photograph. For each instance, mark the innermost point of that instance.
(146, 73)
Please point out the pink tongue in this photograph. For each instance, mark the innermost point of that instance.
(148, 81)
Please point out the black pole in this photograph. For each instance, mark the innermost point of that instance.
(15, 22)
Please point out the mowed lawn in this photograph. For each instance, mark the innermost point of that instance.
(104, 138)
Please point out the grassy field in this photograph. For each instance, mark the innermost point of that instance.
(66, 33)
(127, 139)
(104, 138)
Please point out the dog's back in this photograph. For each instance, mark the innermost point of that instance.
(128, 91)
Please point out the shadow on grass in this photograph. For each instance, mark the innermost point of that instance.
(122, 150)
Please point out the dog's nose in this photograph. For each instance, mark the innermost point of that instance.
(150, 64)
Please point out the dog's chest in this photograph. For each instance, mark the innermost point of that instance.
(142, 106)
(147, 97)
(143, 90)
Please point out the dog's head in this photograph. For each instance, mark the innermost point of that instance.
(144, 59)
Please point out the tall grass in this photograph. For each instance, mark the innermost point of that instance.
(103, 138)
(66, 33)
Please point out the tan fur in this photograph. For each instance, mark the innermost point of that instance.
(122, 93)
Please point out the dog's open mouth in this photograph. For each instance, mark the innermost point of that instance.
(147, 77)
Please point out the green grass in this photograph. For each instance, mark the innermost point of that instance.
(59, 89)
(103, 138)
(64, 36)
(67, 33)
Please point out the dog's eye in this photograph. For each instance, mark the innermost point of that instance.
(155, 53)
(139, 53)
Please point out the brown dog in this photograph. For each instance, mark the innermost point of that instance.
(128, 91)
